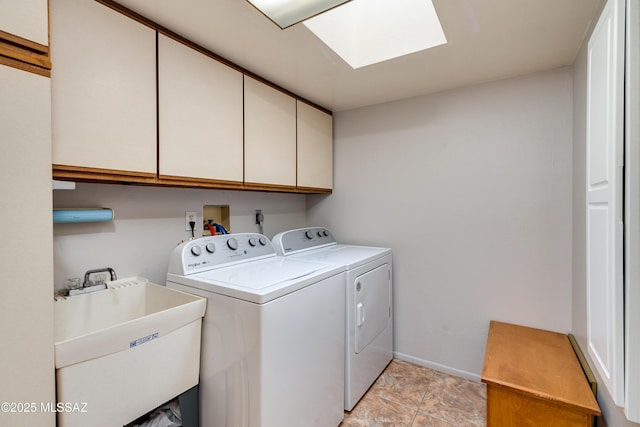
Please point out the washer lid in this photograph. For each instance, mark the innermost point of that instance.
(259, 281)
(346, 255)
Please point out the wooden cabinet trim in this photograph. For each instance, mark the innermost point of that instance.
(30, 53)
(270, 187)
(84, 174)
(181, 181)
(314, 190)
(23, 43)
(24, 66)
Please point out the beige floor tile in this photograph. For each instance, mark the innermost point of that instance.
(374, 411)
(403, 383)
(424, 420)
(459, 401)
(408, 395)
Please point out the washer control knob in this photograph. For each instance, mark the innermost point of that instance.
(232, 243)
(325, 233)
(262, 241)
(196, 250)
(308, 235)
(211, 248)
(319, 233)
(252, 241)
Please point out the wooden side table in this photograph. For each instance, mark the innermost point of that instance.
(534, 378)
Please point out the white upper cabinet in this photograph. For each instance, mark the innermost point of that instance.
(121, 114)
(315, 147)
(27, 19)
(200, 115)
(270, 135)
(103, 88)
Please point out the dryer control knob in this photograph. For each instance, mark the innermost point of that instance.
(196, 250)
(211, 248)
(252, 241)
(262, 241)
(232, 243)
(308, 235)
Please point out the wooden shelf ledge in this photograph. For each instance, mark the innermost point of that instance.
(535, 375)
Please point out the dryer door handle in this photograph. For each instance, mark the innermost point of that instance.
(360, 314)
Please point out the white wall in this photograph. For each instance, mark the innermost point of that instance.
(149, 223)
(472, 190)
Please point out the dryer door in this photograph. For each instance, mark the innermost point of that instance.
(372, 298)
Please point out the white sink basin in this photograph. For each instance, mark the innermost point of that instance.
(104, 322)
(125, 350)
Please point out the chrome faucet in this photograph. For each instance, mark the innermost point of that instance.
(87, 282)
(90, 286)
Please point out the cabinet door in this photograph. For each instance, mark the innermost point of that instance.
(26, 301)
(27, 19)
(270, 135)
(103, 88)
(200, 114)
(605, 161)
(315, 147)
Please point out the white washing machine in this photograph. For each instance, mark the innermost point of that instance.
(368, 293)
(272, 336)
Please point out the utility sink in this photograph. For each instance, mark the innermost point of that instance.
(123, 351)
(124, 315)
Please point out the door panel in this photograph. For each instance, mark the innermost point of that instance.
(269, 135)
(200, 114)
(372, 297)
(605, 161)
(103, 88)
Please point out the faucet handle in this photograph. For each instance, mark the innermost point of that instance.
(87, 281)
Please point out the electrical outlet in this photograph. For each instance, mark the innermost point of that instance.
(188, 217)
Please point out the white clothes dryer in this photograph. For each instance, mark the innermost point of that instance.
(272, 336)
(368, 293)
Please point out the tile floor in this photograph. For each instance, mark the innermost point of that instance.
(414, 396)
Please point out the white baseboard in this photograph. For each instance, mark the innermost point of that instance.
(437, 366)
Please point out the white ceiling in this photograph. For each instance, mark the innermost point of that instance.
(487, 40)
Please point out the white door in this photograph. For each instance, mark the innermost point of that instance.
(632, 213)
(605, 103)
(372, 296)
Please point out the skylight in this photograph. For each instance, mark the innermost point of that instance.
(365, 32)
(285, 13)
